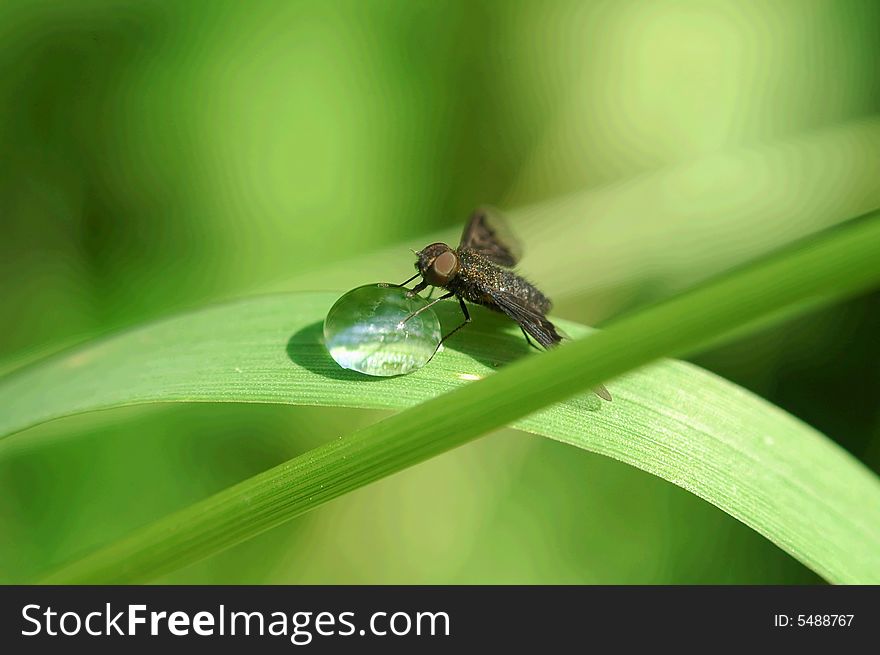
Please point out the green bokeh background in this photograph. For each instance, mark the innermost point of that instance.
(160, 156)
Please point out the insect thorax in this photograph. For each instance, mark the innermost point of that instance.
(478, 278)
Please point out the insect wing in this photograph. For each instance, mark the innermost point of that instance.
(533, 322)
(487, 233)
(602, 392)
(538, 327)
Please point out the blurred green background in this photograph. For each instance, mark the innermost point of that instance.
(161, 156)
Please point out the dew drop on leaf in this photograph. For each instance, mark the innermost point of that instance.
(364, 331)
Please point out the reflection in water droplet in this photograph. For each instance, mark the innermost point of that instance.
(364, 331)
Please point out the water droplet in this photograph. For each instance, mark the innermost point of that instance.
(364, 331)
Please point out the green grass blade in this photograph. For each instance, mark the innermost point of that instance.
(748, 458)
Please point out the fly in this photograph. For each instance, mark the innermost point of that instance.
(479, 271)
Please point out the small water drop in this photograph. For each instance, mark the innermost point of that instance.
(365, 331)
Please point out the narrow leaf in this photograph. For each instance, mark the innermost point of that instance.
(750, 459)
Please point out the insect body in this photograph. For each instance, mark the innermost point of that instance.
(479, 271)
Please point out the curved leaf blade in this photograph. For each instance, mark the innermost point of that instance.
(748, 458)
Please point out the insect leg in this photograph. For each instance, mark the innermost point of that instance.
(467, 319)
(430, 304)
(529, 339)
(421, 286)
(404, 283)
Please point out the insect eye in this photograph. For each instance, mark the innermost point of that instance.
(445, 264)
